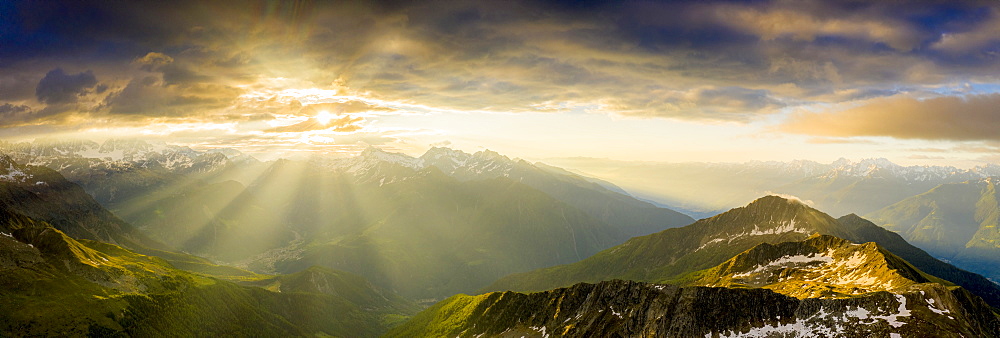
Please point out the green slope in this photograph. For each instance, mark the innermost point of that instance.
(673, 255)
(673, 252)
(957, 222)
(821, 266)
(53, 285)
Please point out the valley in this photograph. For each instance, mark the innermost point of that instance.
(389, 243)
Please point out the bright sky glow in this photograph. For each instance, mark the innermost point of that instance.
(724, 81)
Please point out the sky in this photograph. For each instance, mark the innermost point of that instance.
(718, 81)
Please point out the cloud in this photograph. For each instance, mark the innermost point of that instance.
(700, 60)
(57, 87)
(151, 96)
(834, 140)
(719, 103)
(343, 124)
(153, 60)
(790, 198)
(342, 107)
(925, 157)
(977, 37)
(11, 114)
(8, 109)
(811, 20)
(972, 117)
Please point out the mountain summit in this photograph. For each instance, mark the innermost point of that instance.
(673, 255)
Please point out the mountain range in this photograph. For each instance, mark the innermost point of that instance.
(784, 285)
(427, 227)
(218, 243)
(914, 307)
(677, 255)
(955, 221)
(839, 188)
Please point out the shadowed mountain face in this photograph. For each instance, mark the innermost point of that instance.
(673, 255)
(427, 236)
(44, 194)
(957, 222)
(630, 309)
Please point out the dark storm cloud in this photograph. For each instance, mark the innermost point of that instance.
(57, 87)
(152, 96)
(703, 60)
(651, 58)
(8, 109)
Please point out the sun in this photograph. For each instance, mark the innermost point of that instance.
(324, 117)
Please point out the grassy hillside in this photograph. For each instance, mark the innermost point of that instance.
(53, 285)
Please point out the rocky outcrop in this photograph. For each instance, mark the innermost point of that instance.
(633, 309)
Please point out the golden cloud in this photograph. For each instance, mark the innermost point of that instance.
(154, 59)
(343, 124)
(973, 117)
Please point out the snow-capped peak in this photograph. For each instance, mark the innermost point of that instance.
(882, 167)
(446, 159)
(369, 164)
(12, 172)
(67, 154)
(375, 154)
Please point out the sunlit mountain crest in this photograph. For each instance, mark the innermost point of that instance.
(374, 164)
(821, 266)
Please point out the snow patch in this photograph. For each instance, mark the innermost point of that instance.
(713, 241)
(540, 329)
(825, 324)
(786, 261)
(14, 175)
(781, 228)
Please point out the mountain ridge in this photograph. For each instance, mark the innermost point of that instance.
(673, 255)
(821, 266)
(628, 308)
(955, 221)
